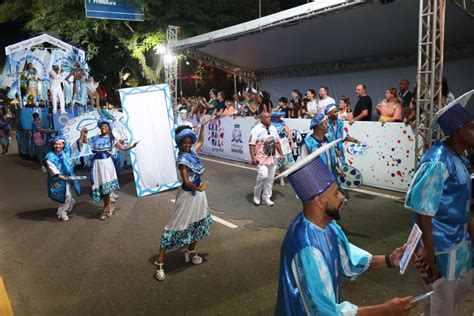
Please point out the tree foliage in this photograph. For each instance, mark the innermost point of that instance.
(112, 44)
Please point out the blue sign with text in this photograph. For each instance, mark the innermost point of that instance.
(114, 10)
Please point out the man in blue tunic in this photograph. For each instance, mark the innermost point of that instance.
(60, 171)
(316, 253)
(336, 131)
(440, 196)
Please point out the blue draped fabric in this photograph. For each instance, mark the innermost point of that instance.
(311, 263)
(441, 188)
(56, 187)
(196, 168)
(280, 126)
(336, 133)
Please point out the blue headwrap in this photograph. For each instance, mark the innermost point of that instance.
(318, 118)
(278, 114)
(187, 132)
(329, 108)
(57, 138)
(106, 121)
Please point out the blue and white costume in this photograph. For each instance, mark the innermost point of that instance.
(191, 220)
(59, 190)
(313, 258)
(337, 132)
(103, 175)
(311, 265)
(284, 141)
(329, 158)
(441, 189)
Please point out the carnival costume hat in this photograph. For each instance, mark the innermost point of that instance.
(454, 115)
(186, 132)
(318, 118)
(310, 176)
(104, 121)
(329, 108)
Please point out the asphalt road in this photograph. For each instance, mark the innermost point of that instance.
(89, 267)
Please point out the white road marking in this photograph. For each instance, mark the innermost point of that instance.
(217, 219)
(229, 164)
(387, 196)
(223, 222)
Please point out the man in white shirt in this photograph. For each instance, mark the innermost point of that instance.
(324, 99)
(264, 142)
(55, 80)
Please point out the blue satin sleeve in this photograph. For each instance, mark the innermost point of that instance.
(426, 188)
(354, 260)
(315, 285)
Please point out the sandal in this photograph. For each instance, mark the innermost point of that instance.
(160, 272)
(194, 258)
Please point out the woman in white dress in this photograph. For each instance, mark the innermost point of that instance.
(191, 220)
(103, 175)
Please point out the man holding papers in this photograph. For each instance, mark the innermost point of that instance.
(440, 196)
(316, 254)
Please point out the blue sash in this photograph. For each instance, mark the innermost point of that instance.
(196, 182)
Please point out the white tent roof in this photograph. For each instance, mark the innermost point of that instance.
(326, 31)
(44, 38)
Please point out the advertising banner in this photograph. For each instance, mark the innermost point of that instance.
(386, 161)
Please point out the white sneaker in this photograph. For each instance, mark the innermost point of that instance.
(114, 195)
(69, 210)
(268, 202)
(282, 182)
(256, 201)
(63, 216)
(112, 199)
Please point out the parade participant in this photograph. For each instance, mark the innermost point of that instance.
(315, 252)
(440, 196)
(79, 79)
(5, 133)
(60, 170)
(336, 131)
(286, 142)
(55, 80)
(91, 86)
(319, 126)
(38, 132)
(183, 119)
(263, 141)
(191, 220)
(32, 82)
(103, 175)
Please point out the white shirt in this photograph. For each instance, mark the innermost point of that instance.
(324, 103)
(312, 107)
(55, 80)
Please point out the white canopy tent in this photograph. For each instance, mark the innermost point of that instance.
(337, 43)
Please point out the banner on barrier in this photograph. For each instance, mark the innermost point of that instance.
(387, 162)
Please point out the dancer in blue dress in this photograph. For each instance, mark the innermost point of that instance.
(440, 197)
(191, 220)
(316, 253)
(103, 177)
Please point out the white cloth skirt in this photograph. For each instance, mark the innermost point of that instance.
(104, 177)
(190, 221)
